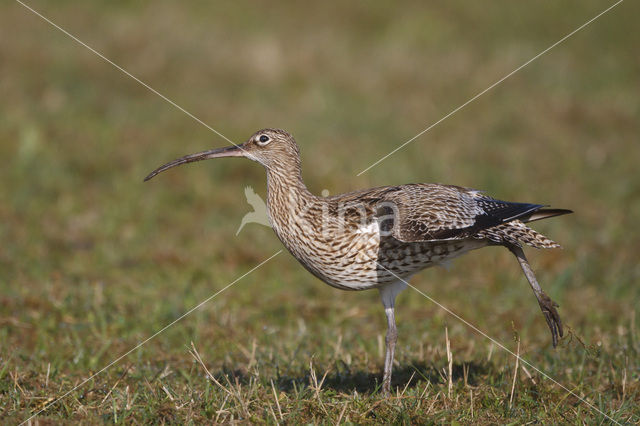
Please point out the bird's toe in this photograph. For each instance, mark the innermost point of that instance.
(552, 317)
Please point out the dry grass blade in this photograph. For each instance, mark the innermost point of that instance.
(275, 396)
(449, 363)
(273, 414)
(194, 353)
(344, 409)
(408, 383)
(515, 371)
(317, 386)
(529, 376)
(122, 376)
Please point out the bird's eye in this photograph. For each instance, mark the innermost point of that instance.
(263, 140)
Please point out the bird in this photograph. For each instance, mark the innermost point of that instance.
(378, 238)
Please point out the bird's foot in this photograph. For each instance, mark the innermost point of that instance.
(554, 322)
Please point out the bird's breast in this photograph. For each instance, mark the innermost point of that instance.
(341, 254)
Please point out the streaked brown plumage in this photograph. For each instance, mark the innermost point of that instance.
(380, 237)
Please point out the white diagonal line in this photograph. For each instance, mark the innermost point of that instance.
(490, 87)
(152, 336)
(524, 361)
(76, 39)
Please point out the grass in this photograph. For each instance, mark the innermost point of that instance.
(93, 261)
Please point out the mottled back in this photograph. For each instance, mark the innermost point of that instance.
(428, 212)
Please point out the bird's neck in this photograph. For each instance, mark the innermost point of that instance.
(285, 188)
(288, 201)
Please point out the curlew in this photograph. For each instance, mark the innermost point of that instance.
(378, 238)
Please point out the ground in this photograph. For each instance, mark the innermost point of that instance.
(93, 261)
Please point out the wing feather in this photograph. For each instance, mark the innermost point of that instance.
(427, 212)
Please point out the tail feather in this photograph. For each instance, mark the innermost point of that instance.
(543, 214)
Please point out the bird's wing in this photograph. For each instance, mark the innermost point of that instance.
(428, 212)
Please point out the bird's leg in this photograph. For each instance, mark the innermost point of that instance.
(388, 294)
(547, 305)
(390, 340)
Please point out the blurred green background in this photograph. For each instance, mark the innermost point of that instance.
(93, 261)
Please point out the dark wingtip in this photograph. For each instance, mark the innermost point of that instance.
(149, 176)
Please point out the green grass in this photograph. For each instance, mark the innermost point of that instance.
(93, 261)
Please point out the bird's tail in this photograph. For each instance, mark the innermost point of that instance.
(535, 239)
(516, 232)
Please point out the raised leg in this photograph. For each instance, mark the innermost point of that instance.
(547, 305)
(388, 294)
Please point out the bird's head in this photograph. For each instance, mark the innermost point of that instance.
(273, 148)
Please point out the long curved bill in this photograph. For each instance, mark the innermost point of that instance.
(229, 151)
